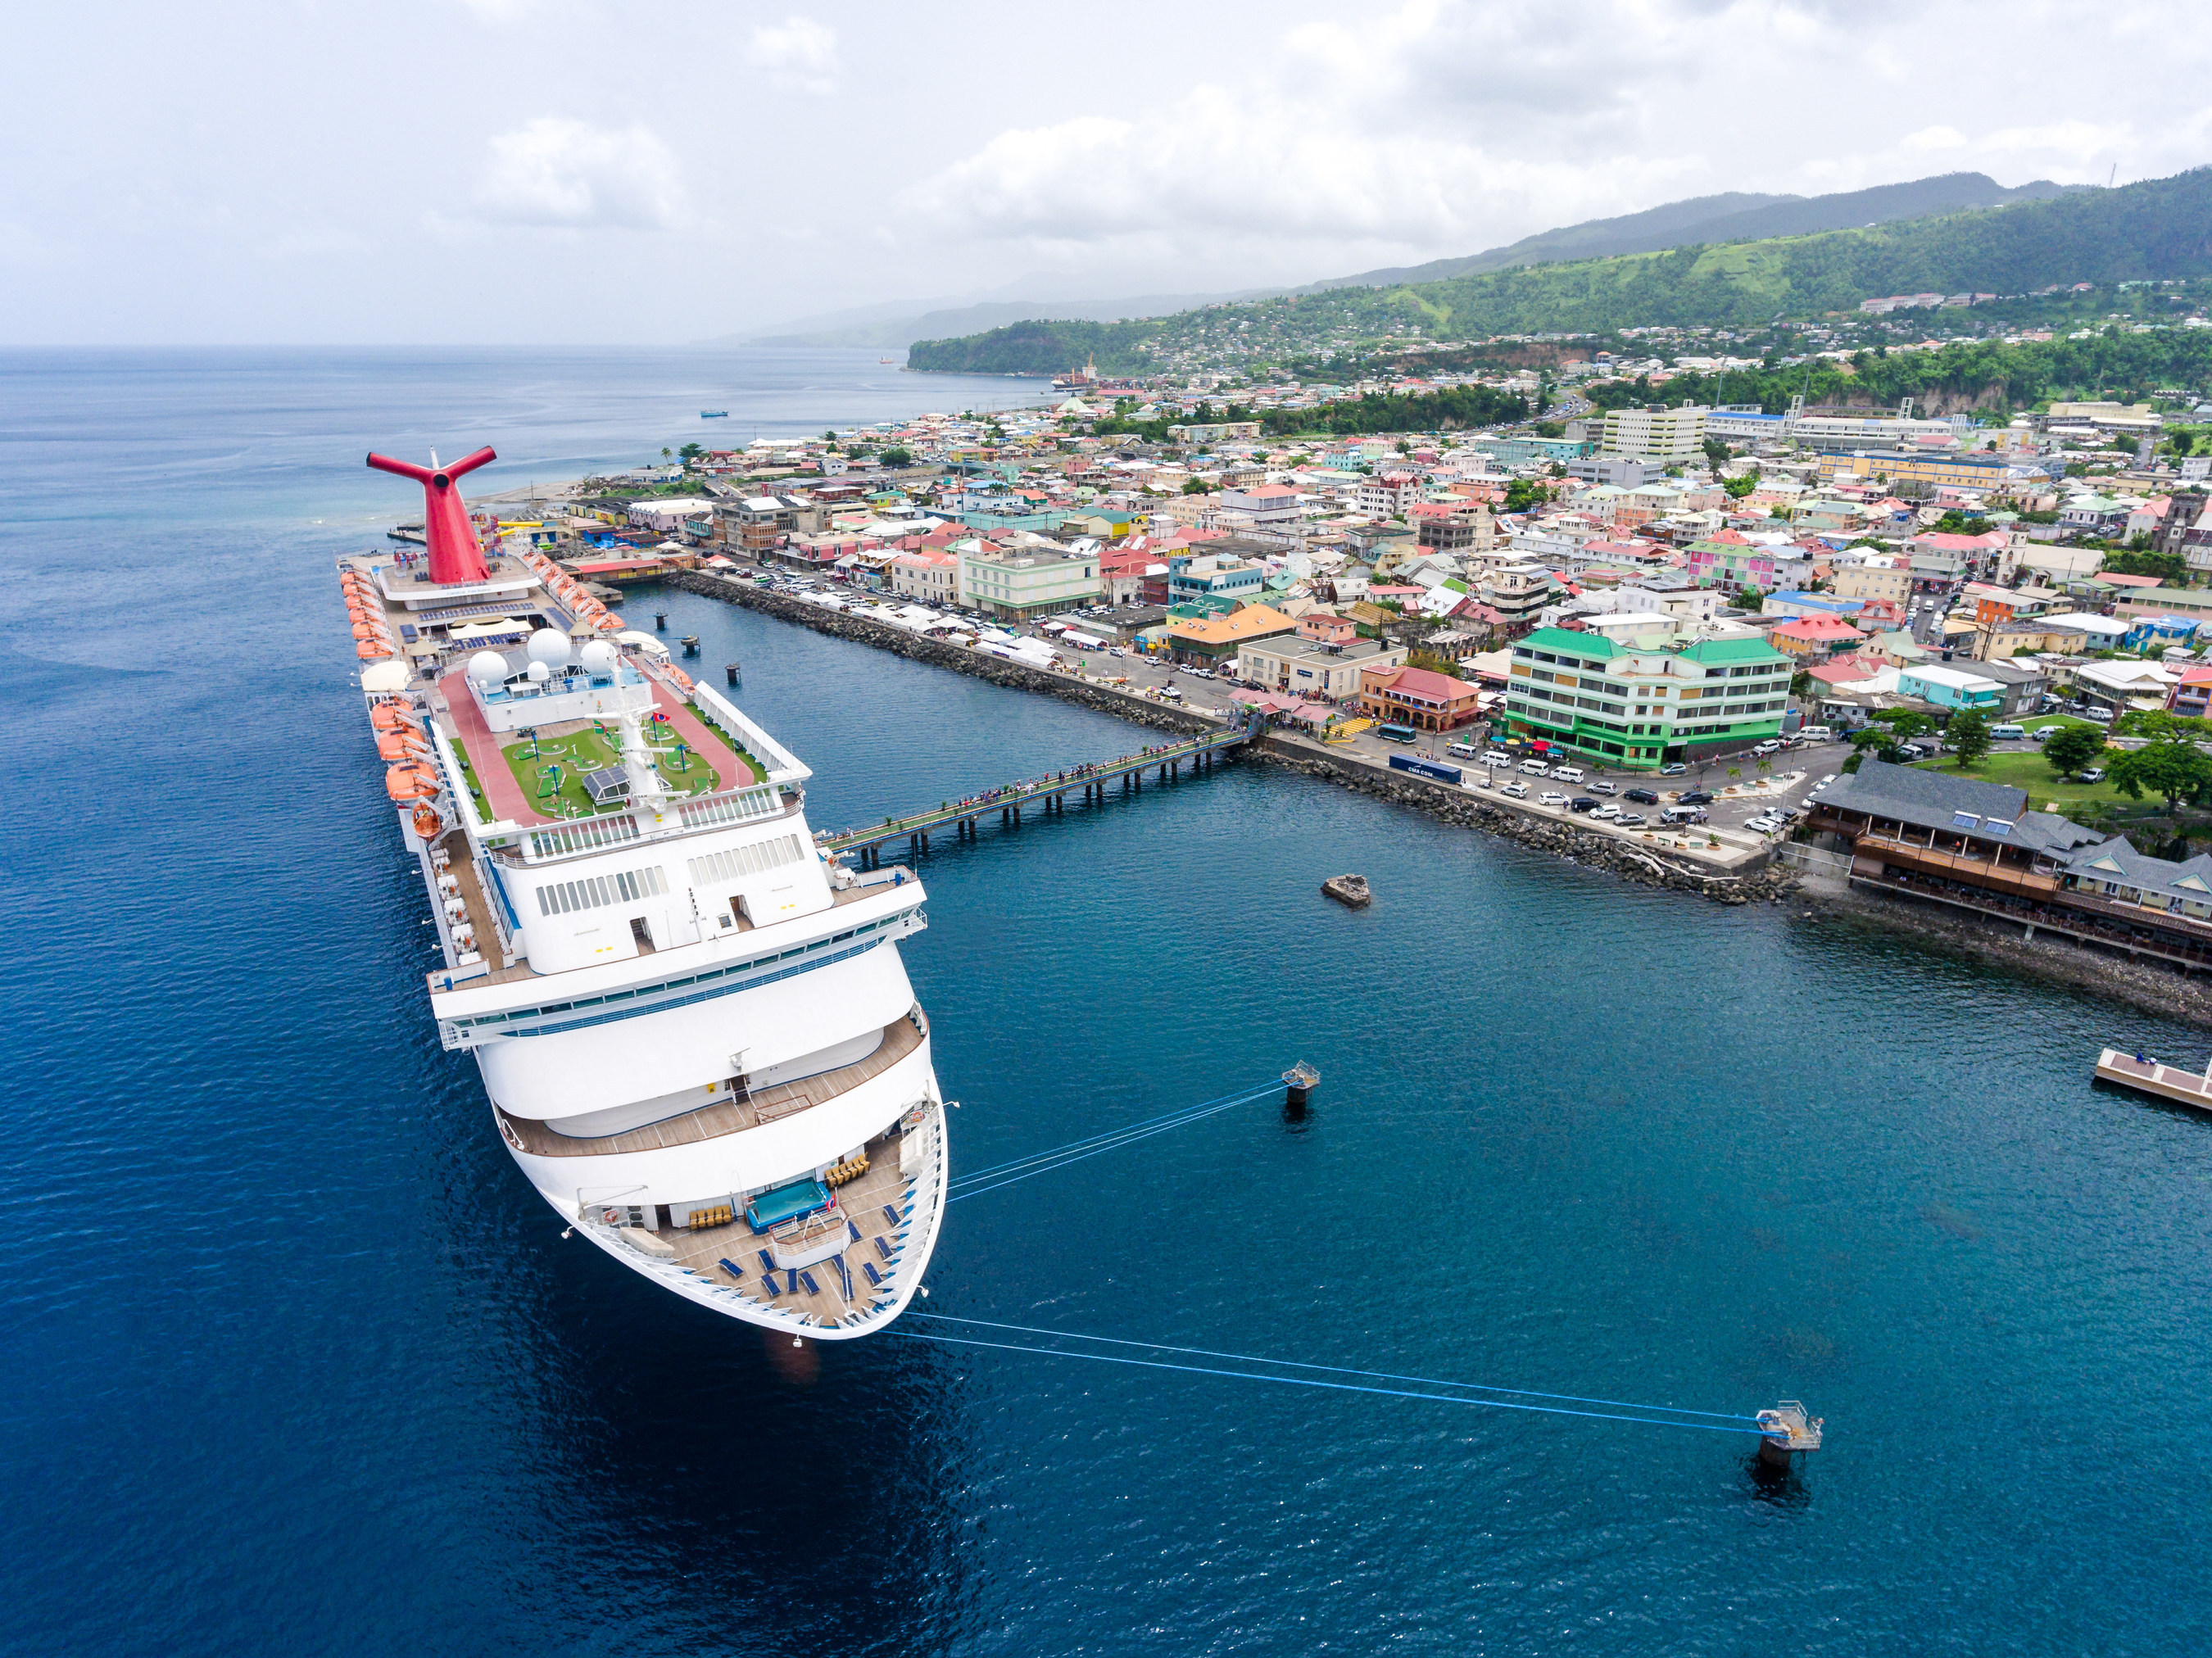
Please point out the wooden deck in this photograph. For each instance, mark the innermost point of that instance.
(862, 1201)
(730, 1116)
(2149, 1076)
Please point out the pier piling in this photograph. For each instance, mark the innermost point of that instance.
(730, 671)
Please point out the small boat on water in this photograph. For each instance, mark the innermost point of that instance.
(2147, 1076)
(713, 414)
(409, 535)
(1350, 891)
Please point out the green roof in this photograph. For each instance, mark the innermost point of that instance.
(1565, 639)
(1732, 650)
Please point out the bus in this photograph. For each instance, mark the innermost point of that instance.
(1398, 733)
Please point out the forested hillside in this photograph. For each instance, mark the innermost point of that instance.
(2157, 229)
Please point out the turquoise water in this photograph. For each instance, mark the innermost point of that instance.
(294, 1358)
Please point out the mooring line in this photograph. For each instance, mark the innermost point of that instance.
(1334, 1370)
(1339, 1387)
(1179, 1114)
(1126, 1139)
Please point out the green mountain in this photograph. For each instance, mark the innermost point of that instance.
(2158, 229)
(1730, 218)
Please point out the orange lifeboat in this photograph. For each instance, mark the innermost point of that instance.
(389, 717)
(610, 621)
(426, 821)
(369, 653)
(411, 782)
(682, 678)
(396, 745)
(362, 630)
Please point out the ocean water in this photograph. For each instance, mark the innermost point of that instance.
(294, 1360)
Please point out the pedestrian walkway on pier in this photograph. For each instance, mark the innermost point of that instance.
(1048, 793)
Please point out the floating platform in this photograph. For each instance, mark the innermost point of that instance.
(2148, 1076)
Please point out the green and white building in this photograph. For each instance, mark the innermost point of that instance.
(1027, 580)
(1637, 707)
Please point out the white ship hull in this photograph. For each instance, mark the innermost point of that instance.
(695, 1033)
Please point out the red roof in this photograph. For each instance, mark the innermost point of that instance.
(1817, 629)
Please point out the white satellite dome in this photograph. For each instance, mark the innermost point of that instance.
(597, 657)
(539, 673)
(549, 647)
(487, 668)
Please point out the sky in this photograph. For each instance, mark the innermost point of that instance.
(428, 172)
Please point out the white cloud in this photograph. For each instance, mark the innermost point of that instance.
(799, 54)
(1932, 138)
(1444, 127)
(564, 174)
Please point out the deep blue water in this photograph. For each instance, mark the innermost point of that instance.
(294, 1360)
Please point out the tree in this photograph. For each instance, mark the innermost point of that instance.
(690, 452)
(2071, 748)
(1737, 488)
(667, 453)
(1197, 486)
(1717, 453)
(895, 456)
(1969, 736)
(2177, 771)
(1750, 598)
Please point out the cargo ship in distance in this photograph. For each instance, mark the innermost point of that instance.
(695, 1032)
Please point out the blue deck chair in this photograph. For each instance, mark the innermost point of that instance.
(844, 1272)
(812, 1288)
(851, 1227)
(731, 1268)
(886, 1250)
(767, 1265)
(891, 1214)
(874, 1277)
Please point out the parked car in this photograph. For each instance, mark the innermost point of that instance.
(1534, 768)
(1496, 757)
(1550, 798)
(2094, 775)
(2102, 716)
(1630, 820)
(1642, 797)
(1763, 825)
(1581, 803)
(1762, 750)
(1607, 811)
(1567, 774)
(1675, 770)
(1518, 791)
(1603, 787)
(1697, 797)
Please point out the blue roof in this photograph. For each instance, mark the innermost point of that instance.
(1820, 602)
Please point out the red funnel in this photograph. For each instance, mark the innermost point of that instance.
(454, 555)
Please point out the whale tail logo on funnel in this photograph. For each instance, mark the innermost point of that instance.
(454, 555)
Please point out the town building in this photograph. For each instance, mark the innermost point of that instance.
(1953, 688)
(1641, 708)
(1419, 697)
(932, 577)
(1308, 667)
(1214, 641)
(1814, 638)
(1974, 845)
(1669, 436)
(1193, 576)
(1027, 579)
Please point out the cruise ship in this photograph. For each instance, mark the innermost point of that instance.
(695, 1029)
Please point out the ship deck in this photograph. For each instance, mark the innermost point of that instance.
(505, 798)
(862, 1200)
(730, 1116)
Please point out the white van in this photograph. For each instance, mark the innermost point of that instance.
(1816, 734)
(2010, 733)
(1682, 814)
